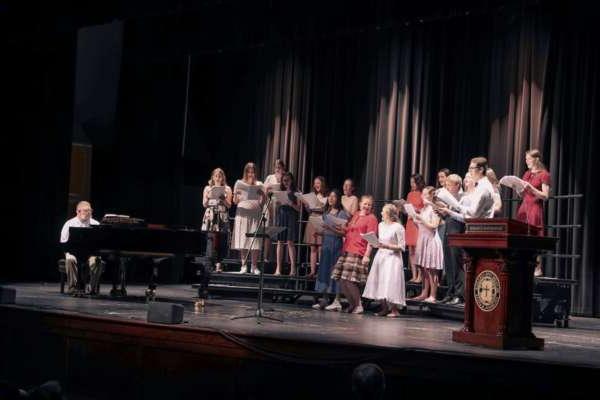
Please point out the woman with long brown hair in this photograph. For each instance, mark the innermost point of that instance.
(216, 216)
(247, 217)
(535, 193)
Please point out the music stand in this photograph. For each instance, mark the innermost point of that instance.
(261, 232)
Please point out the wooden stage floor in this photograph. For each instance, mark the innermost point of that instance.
(412, 346)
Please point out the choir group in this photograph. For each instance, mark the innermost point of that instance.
(340, 253)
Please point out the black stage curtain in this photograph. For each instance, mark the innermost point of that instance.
(373, 102)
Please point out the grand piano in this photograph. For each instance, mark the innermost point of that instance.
(122, 240)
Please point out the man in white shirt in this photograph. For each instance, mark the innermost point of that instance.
(83, 219)
(481, 204)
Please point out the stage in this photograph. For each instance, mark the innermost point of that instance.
(104, 347)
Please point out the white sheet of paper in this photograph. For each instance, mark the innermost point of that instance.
(311, 200)
(445, 196)
(371, 238)
(410, 210)
(513, 182)
(335, 221)
(273, 187)
(248, 192)
(216, 192)
(281, 196)
(317, 222)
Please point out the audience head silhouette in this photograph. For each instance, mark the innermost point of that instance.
(368, 382)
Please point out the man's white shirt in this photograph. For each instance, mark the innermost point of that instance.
(75, 223)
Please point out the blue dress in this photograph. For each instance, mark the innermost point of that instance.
(287, 217)
(330, 252)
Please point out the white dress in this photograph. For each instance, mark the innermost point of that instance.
(386, 278)
(247, 219)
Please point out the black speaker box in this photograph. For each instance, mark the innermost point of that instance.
(165, 313)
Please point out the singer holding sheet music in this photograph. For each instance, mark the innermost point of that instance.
(320, 190)
(352, 268)
(249, 196)
(287, 217)
(271, 182)
(216, 199)
(386, 278)
(535, 192)
(330, 250)
(417, 183)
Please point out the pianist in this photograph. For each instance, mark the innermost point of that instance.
(83, 219)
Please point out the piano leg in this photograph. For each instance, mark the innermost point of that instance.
(119, 275)
(151, 291)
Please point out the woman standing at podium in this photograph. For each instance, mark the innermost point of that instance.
(247, 217)
(537, 189)
(287, 217)
(216, 216)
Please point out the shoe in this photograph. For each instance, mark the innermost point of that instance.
(244, 269)
(455, 301)
(317, 306)
(538, 271)
(445, 300)
(255, 271)
(218, 267)
(358, 310)
(335, 306)
(430, 300)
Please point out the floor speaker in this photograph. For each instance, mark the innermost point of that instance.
(165, 313)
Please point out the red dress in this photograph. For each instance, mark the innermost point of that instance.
(531, 210)
(412, 232)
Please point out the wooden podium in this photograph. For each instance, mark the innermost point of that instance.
(499, 265)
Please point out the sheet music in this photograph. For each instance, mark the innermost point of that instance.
(248, 192)
(371, 238)
(513, 182)
(272, 187)
(216, 192)
(410, 210)
(335, 221)
(445, 196)
(281, 196)
(312, 201)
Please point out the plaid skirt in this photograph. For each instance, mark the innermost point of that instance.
(351, 268)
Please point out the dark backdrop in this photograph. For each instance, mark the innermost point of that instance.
(375, 91)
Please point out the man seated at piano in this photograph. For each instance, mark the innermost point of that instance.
(74, 263)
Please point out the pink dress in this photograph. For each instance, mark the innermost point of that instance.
(531, 210)
(429, 251)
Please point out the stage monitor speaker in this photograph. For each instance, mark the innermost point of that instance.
(165, 313)
(7, 295)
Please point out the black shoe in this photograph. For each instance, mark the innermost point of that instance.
(445, 299)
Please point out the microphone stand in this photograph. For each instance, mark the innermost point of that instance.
(260, 312)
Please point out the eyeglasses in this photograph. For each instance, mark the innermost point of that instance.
(470, 168)
(85, 210)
